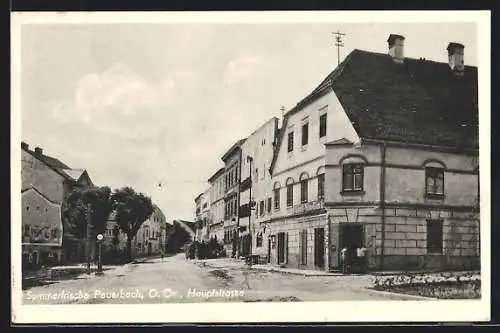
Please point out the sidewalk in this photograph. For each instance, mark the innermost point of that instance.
(235, 263)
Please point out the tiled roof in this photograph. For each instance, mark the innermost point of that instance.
(418, 101)
(53, 162)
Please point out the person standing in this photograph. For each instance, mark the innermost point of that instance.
(343, 259)
(361, 259)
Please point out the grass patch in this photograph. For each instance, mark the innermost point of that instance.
(442, 286)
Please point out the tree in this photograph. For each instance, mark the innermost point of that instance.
(85, 212)
(132, 209)
(116, 235)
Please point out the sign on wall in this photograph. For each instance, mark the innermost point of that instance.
(41, 220)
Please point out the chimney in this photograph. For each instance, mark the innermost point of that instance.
(456, 57)
(38, 151)
(24, 145)
(396, 47)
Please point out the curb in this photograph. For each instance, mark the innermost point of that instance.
(414, 297)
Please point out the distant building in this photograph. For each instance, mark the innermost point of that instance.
(217, 206)
(202, 203)
(182, 234)
(149, 239)
(257, 155)
(232, 177)
(45, 182)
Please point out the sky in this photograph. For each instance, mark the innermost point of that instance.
(142, 104)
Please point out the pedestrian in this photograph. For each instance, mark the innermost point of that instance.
(161, 256)
(361, 259)
(343, 259)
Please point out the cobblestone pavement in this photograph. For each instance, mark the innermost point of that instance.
(176, 280)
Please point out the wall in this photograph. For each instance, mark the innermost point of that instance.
(37, 174)
(407, 209)
(260, 146)
(42, 229)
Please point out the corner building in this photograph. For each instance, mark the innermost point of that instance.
(382, 154)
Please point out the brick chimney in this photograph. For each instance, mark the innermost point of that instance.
(396, 47)
(38, 151)
(24, 145)
(456, 57)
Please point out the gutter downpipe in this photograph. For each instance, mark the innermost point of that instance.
(382, 202)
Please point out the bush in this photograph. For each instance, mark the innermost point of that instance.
(205, 250)
(113, 256)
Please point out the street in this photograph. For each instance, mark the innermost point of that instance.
(175, 280)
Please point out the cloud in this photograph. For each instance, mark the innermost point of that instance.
(118, 90)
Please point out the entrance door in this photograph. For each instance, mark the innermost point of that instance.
(319, 248)
(269, 249)
(150, 249)
(281, 247)
(351, 235)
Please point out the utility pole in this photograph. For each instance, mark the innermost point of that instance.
(338, 43)
(250, 160)
(88, 235)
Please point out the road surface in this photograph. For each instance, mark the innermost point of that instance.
(176, 280)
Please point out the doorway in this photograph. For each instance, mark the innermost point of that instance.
(319, 248)
(351, 235)
(269, 250)
(281, 248)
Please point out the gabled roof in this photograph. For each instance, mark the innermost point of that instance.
(59, 167)
(217, 174)
(34, 189)
(339, 142)
(75, 174)
(417, 102)
(233, 148)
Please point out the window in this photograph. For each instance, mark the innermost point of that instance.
(290, 142)
(303, 191)
(434, 182)
(322, 125)
(269, 205)
(259, 240)
(276, 198)
(434, 236)
(262, 209)
(352, 178)
(289, 195)
(305, 134)
(303, 247)
(321, 186)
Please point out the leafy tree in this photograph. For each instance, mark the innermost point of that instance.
(85, 212)
(116, 235)
(132, 209)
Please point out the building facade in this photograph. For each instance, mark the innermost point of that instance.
(255, 197)
(399, 174)
(232, 176)
(202, 203)
(217, 206)
(383, 154)
(45, 182)
(150, 238)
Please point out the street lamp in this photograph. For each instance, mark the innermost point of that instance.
(99, 252)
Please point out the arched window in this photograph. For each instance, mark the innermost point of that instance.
(352, 173)
(304, 181)
(289, 192)
(276, 193)
(321, 182)
(434, 178)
